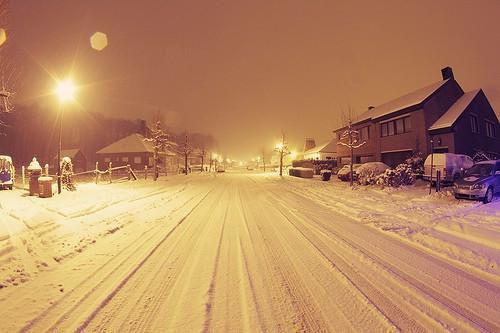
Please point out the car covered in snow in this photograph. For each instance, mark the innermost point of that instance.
(375, 168)
(344, 173)
(450, 166)
(7, 172)
(480, 182)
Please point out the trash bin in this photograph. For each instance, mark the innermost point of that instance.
(325, 175)
(45, 184)
(34, 171)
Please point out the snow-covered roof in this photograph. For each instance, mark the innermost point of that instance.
(71, 153)
(454, 112)
(414, 98)
(327, 147)
(134, 143)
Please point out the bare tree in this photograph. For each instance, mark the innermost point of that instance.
(186, 150)
(8, 72)
(263, 156)
(161, 142)
(282, 149)
(353, 142)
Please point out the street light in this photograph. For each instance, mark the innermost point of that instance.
(65, 91)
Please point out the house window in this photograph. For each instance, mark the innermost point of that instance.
(390, 126)
(107, 159)
(490, 129)
(473, 124)
(384, 128)
(407, 124)
(400, 126)
(137, 160)
(124, 158)
(364, 133)
(397, 126)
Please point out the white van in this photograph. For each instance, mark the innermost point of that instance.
(450, 165)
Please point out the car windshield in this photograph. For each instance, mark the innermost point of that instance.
(480, 170)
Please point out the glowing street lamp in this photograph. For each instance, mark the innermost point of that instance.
(65, 91)
(282, 149)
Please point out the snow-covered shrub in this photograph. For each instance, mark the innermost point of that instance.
(67, 174)
(416, 163)
(401, 175)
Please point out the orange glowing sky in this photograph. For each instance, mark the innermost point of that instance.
(244, 70)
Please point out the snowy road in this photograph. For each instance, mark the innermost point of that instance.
(244, 252)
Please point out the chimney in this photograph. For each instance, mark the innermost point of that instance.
(310, 143)
(447, 73)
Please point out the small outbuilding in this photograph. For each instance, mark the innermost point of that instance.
(77, 158)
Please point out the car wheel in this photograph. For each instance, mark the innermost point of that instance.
(488, 197)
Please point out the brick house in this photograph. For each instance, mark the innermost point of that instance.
(456, 121)
(134, 151)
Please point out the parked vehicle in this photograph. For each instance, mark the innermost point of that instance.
(376, 168)
(220, 168)
(344, 173)
(7, 172)
(480, 182)
(450, 165)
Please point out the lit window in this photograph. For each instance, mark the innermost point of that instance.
(124, 158)
(137, 160)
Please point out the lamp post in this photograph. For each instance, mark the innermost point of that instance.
(65, 91)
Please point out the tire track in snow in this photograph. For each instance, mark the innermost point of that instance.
(211, 290)
(125, 255)
(108, 298)
(149, 309)
(439, 297)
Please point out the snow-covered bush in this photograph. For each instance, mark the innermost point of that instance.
(416, 163)
(67, 174)
(401, 175)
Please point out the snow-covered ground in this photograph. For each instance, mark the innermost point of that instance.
(248, 252)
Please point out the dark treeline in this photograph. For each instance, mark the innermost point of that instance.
(33, 131)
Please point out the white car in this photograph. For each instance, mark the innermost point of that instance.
(344, 173)
(450, 165)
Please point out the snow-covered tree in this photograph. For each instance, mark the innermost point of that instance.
(160, 141)
(67, 174)
(7, 68)
(282, 149)
(351, 136)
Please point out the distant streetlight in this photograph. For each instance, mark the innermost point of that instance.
(65, 91)
(3, 36)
